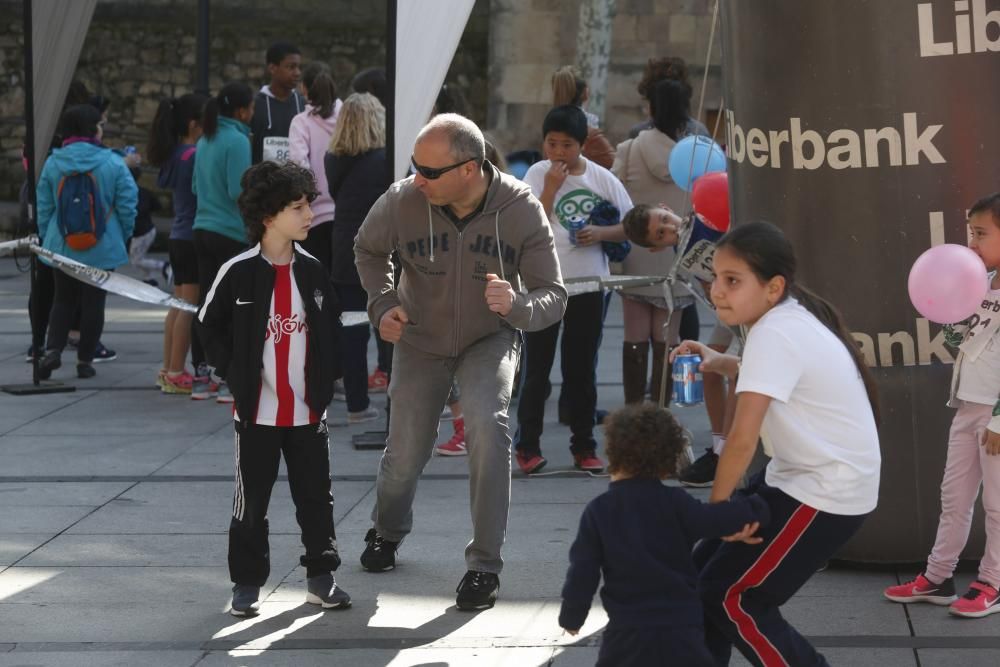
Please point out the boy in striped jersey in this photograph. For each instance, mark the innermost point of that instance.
(271, 323)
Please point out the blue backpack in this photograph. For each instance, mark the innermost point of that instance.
(81, 216)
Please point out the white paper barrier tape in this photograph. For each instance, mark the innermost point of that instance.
(137, 290)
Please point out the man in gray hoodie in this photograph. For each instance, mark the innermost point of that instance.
(479, 263)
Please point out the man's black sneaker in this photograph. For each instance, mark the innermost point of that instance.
(85, 371)
(701, 473)
(380, 554)
(477, 590)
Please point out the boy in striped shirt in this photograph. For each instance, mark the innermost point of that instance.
(271, 323)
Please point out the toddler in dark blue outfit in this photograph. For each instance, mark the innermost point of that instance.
(639, 535)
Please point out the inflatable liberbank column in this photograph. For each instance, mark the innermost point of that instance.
(865, 130)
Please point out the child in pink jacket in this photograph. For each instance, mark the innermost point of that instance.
(308, 137)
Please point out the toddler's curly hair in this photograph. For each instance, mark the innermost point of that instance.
(268, 188)
(643, 440)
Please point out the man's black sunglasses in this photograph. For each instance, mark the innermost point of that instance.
(432, 173)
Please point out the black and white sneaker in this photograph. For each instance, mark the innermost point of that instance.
(323, 590)
(102, 354)
(477, 591)
(380, 554)
(246, 600)
(701, 473)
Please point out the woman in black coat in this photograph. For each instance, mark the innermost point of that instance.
(356, 172)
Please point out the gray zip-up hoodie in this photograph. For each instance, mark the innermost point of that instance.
(443, 283)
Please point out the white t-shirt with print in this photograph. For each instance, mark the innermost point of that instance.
(819, 429)
(979, 380)
(575, 199)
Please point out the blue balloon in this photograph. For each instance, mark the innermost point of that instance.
(708, 157)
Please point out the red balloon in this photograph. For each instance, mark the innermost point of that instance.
(710, 199)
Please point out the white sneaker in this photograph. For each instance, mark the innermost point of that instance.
(368, 415)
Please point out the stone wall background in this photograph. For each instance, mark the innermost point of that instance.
(530, 39)
(138, 51)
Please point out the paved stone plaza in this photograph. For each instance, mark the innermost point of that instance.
(115, 501)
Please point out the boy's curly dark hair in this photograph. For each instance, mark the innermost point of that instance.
(643, 440)
(268, 188)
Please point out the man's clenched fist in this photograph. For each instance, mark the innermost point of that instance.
(499, 295)
(390, 327)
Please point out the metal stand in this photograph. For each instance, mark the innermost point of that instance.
(37, 386)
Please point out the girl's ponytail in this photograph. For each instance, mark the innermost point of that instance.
(162, 134)
(768, 254)
(210, 118)
(567, 87)
(827, 313)
(233, 97)
(322, 94)
(170, 125)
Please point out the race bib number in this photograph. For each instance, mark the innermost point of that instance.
(276, 149)
(697, 261)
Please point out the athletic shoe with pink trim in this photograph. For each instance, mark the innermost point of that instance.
(922, 589)
(980, 600)
(177, 384)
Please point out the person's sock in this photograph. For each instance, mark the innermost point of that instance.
(718, 442)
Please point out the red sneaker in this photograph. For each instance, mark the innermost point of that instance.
(530, 463)
(378, 382)
(922, 589)
(980, 600)
(456, 445)
(588, 462)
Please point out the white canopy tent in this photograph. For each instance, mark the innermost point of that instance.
(58, 28)
(427, 35)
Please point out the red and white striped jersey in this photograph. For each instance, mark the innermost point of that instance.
(283, 382)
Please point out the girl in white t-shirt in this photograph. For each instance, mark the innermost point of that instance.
(804, 390)
(973, 445)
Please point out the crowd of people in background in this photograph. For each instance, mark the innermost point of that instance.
(201, 146)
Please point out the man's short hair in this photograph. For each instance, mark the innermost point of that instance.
(567, 119)
(465, 139)
(636, 225)
(268, 187)
(279, 51)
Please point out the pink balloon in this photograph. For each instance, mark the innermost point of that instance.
(947, 283)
